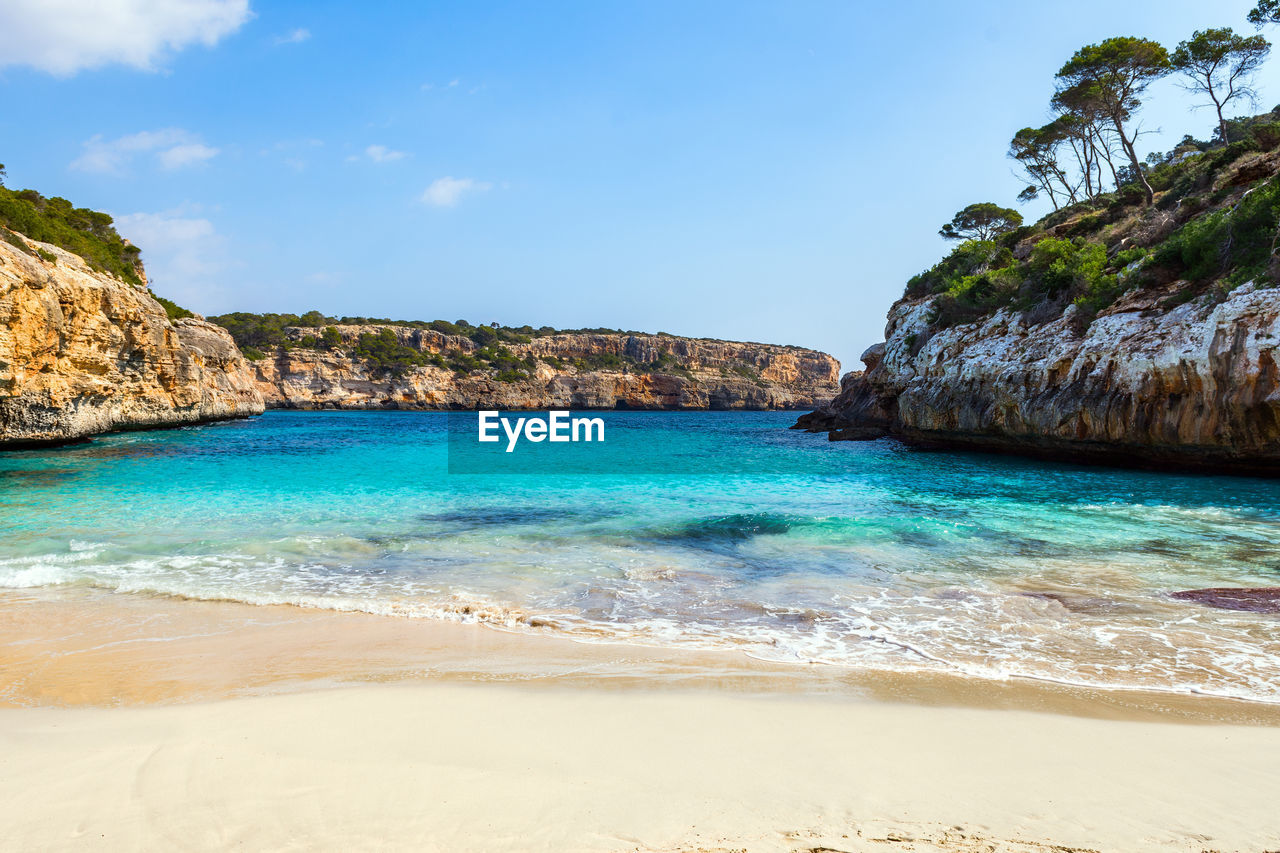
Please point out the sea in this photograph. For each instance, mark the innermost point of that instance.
(681, 530)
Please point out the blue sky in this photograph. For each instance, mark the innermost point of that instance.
(758, 171)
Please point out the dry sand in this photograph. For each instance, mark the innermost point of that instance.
(457, 767)
(570, 753)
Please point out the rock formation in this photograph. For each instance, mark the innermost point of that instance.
(82, 352)
(1195, 385)
(697, 374)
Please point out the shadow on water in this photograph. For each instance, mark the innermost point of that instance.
(721, 530)
(947, 475)
(36, 477)
(513, 516)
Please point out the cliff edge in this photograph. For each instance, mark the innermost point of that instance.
(390, 366)
(83, 352)
(1194, 386)
(1114, 329)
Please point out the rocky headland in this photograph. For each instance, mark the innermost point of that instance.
(1196, 385)
(1112, 330)
(83, 352)
(433, 370)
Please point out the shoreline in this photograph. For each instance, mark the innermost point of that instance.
(136, 650)
(137, 722)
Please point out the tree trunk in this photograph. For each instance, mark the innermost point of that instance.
(1104, 149)
(1222, 122)
(1127, 145)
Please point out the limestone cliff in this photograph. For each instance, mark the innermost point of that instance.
(1191, 386)
(694, 374)
(82, 352)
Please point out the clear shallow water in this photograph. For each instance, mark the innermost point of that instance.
(793, 549)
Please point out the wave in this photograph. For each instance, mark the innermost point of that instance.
(987, 635)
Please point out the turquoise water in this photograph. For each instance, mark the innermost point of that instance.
(774, 542)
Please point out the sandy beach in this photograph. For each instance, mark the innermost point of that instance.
(160, 725)
(449, 767)
(865, 439)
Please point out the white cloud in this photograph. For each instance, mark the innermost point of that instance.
(383, 154)
(186, 155)
(301, 34)
(183, 253)
(172, 147)
(452, 84)
(66, 36)
(446, 191)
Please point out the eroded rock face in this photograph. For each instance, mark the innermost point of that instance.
(720, 375)
(1195, 386)
(82, 353)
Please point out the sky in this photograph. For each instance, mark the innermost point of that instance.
(744, 170)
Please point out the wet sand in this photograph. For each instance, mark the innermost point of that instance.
(154, 723)
(85, 647)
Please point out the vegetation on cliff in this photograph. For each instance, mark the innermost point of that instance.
(90, 234)
(259, 334)
(1200, 219)
(264, 331)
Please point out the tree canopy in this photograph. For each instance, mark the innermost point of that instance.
(1115, 73)
(1219, 63)
(1036, 151)
(981, 221)
(90, 234)
(1266, 12)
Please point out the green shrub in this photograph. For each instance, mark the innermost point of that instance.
(175, 311)
(602, 361)
(88, 233)
(1161, 176)
(1009, 239)
(260, 331)
(968, 259)
(1236, 242)
(1131, 195)
(1125, 257)
(1070, 211)
(462, 363)
(385, 354)
(253, 354)
(1233, 152)
(976, 296)
(1059, 271)
(16, 241)
(1085, 225)
(1059, 268)
(1267, 135)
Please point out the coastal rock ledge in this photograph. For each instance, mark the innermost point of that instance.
(1191, 386)
(696, 374)
(82, 353)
